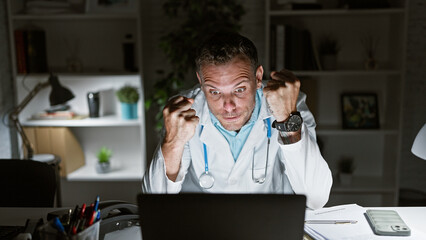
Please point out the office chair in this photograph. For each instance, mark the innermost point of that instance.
(26, 183)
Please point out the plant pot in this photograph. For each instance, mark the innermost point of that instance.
(345, 178)
(104, 167)
(329, 61)
(129, 110)
(370, 64)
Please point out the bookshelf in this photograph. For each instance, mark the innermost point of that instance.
(94, 41)
(376, 152)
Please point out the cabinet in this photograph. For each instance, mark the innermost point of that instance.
(85, 50)
(376, 152)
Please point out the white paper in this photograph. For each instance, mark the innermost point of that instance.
(359, 230)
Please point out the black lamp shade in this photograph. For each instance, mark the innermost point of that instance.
(58, 94)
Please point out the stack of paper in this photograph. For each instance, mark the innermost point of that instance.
(351, 212)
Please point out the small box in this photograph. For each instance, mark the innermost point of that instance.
(59, 141)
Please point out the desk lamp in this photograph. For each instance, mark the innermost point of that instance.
(419, 145)
(58, 95)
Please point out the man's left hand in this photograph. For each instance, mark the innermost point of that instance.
(281, 94)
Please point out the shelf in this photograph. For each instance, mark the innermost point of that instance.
(81, 74)
(338, 73)
(125, 172)
(328, 12)
(106, 121)
(76, 16)
(338, 131)
(364, 184)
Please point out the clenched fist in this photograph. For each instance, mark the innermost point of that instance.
(180, 123)
(281, 94)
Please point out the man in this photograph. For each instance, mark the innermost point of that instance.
(233, 134)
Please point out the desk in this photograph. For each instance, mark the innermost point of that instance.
(414, 217)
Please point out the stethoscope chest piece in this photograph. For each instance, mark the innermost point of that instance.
(206, 180)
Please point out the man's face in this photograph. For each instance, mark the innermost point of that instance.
(230, 90)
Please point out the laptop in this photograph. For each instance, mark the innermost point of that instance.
(221, 216)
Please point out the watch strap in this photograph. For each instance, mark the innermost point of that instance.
(287, 126)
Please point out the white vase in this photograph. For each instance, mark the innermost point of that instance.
(104, 167)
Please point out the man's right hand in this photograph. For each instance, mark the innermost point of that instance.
(180, 123)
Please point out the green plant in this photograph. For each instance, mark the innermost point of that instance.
(328, 45)
(128, 94)
(104, 155)
(346, 165)
(199, 19)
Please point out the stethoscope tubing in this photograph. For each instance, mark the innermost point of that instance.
(206, 162)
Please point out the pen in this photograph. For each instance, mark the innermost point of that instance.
(96, 204)
(73, 220)
(98, 217)
(59, 225)
(330, 221)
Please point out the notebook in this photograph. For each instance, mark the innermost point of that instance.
(221, 216)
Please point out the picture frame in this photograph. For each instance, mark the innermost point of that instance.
(112, 6)
(360, 111)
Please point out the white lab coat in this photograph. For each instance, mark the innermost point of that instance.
(295, 168)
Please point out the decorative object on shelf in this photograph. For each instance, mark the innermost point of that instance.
(198, 18)
(94, 104)
(359, 111)
(104, 164)
(419, 144)
(370, 44)
(129, 97)
(73, 62)
(345, 169)
(328, 49)
(112, 6)
(129, 53)
(58, 95)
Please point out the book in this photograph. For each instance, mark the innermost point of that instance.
(298, 49)
(30, 49)
(20, 51)
(58, 115)
(280, 44)
(36, 51)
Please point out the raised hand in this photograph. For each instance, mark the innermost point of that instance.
(180, 123)
(281, 94)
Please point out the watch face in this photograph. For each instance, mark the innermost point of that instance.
(293, 124)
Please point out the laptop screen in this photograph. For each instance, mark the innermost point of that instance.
(221, 216)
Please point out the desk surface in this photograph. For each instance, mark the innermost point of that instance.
(414, 217)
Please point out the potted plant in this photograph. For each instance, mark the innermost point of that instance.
(370, 44)
(128, 97)
(198, 19)
(328, 49)
(104, 164)
(345, 167)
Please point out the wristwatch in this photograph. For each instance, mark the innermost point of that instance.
(292, 124)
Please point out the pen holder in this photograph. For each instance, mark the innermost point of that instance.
(47, 231)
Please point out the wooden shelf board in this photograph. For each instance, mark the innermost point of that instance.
(348, 73)
(126, 172)
(76, 16)
(328, 12)
(106, 121)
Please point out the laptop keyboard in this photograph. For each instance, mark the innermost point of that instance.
(9, 232)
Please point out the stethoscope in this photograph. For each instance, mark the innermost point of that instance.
(206, 179)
